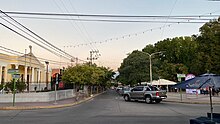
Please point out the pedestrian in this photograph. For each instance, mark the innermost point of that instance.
(77, 94)
(213, 91)
(35, 88)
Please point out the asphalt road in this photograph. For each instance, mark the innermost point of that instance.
(109, 108)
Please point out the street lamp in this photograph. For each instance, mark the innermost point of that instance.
(150, 55)
(47, 63)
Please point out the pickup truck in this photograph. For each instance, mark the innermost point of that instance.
(147, 93)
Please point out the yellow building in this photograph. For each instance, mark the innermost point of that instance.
(31, 70)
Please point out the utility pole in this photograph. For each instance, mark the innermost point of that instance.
(94, 55)
(47, 63)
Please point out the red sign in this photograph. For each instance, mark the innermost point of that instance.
(61, 85)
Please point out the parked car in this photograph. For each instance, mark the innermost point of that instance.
(147, 93)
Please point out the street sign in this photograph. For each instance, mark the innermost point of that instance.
(16, 76)
(13, 71)
(181, 75)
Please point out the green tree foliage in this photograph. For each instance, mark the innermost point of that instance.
(178, 56)
(86, 74)
(20, 86)
(134, 69)
(181, 55)
(208, 53)
(106, 77)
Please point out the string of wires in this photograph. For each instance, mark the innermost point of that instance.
(76, 24)
(20, 54)
(31, 36)
(112, 16)
(175, 19)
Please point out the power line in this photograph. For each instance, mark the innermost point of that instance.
(88, 37)
(29, 34)
(33, 32)
(115, 21)
(103, 15)
(168, 17)
(27, 38)
(7, 50)
(52, 46)
(83, 34)
(83, 26)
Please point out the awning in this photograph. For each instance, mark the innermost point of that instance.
(163, 82)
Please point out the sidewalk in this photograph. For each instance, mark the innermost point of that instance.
(191, 98)
(45, 105)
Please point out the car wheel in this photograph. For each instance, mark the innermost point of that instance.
(127, 98)
(158, 101)
(148, 99)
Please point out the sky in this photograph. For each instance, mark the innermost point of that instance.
(125, 37)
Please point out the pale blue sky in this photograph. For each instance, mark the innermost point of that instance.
(65, 33)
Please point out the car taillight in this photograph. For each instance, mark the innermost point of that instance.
(157, 93)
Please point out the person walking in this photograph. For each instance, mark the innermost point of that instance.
(77, 94)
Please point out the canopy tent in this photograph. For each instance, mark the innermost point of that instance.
(163, 82)
(208, 80)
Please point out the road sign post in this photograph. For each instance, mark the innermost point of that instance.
(15, 75)
(180, 76)
(55, 102)
(14, 90)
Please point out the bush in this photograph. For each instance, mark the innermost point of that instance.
(1, 86)
(20, 86)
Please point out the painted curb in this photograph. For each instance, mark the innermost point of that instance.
(48, 107)
(190, 102)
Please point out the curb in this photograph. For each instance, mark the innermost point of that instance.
(190, 102)
(48, 107)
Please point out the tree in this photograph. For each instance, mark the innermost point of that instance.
(134, 69)
(194, 54)
(85, 74)
(208, 57)
(178, 56)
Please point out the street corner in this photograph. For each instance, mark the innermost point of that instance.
(52, 106)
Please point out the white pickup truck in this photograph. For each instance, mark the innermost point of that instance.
(147, 93)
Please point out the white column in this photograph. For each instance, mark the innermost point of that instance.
(38, 76)
(6, 74)
(32, 75)
(0, 74)
(25, 74)
(16, 66)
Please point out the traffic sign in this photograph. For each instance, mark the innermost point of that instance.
(16, 76)
(13, 71)
(181, 75)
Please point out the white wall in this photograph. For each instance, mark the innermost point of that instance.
(40, 86)
(37, 97)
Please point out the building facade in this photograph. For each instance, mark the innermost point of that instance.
(31, 70)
